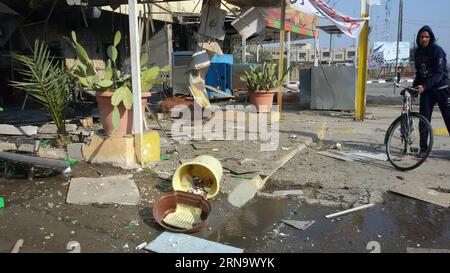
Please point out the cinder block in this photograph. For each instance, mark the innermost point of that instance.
(115, 150)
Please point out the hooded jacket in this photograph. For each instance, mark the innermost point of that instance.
(431, 63)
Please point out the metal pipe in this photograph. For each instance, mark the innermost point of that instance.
(281, 60)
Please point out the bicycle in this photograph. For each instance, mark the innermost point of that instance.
(407, 136)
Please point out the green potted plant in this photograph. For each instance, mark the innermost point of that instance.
(113, 88)
(46, 81)
(262, 82)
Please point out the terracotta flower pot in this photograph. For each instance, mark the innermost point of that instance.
(126, 116)
(262, 100)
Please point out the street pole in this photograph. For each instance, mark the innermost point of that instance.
(399, 37)
(244, 50)
(289, 55)
(331, 45)
(362, 64)
(135, 47)
(281, 60)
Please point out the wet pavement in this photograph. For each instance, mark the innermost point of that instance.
(392, 227)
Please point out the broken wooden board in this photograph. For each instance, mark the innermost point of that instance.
(302, 225)
(180, 243)
(106, 190)
(424, 194)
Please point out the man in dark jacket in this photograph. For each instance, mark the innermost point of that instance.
(432, 79)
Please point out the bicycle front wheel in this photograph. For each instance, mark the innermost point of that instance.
(409, 141)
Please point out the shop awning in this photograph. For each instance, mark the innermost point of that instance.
(296, 22)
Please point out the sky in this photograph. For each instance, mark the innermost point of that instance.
(417, 13)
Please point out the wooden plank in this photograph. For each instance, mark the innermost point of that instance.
(424, 194)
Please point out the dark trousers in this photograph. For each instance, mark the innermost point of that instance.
(427, 102)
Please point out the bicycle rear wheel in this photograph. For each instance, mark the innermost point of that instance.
(403, 141)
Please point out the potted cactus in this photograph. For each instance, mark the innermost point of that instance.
(113, 88)
(262, 82)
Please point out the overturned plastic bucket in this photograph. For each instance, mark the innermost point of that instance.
(204, 168)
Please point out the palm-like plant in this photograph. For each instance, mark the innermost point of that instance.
(46, 81)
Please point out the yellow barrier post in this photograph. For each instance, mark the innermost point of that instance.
(362, 64)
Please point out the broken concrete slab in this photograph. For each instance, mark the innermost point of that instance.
(51, 128)
(288, 193)
(6, 146)
(106, 190)
(75, 151)
(181, 243)
(424, 194)
(243, 193)
(27, 148)
(52, 153)
(9, 130)
(302, 225)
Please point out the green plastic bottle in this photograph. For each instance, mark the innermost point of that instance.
(2, 203)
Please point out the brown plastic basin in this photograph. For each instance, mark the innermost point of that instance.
(167, 203)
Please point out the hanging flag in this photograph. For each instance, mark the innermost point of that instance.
(305, 6)
(349, 26)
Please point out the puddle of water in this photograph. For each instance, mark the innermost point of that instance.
(397, 224)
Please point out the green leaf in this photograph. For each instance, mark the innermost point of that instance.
(166, 69)
(117, 38)
(108, 73)
(115, 118)
(82, 54)
(118, 96)
(74, 36)
(112, 53)
(84, 82)
(105, 83)
(128, 99)
(144, 60)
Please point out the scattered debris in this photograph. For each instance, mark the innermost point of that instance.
(180, 243)
(337, 146)
(302, 225)
(424, 194)
(106, 190)
(164, 157)
(73, 247)
(349, 211)
(17, 246)
(293, 136)
(141, 246)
